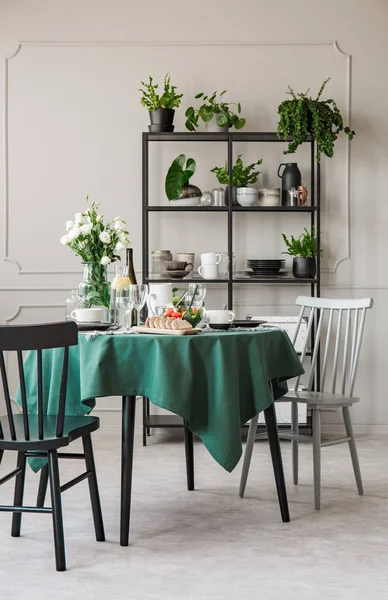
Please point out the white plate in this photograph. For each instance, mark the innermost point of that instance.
(150, 330)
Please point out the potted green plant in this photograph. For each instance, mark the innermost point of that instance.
(303, 116)
(160, 107)
(242, 177)
(178, 189)
(215, 113)
(304, 251)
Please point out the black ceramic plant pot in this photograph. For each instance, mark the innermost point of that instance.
(233, 195)
(304, 268)
(162, 120)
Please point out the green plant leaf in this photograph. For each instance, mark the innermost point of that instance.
(239, 108)
(222, 119)
(190, 169)
(177, 176)
(240, 123)
(189, 112)
(199, 95)
(223, 92)
(206, 115)
(189, 125)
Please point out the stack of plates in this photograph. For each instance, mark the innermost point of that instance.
(265, 267)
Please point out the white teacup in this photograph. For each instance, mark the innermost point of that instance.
(88, 315)
(208, 271)
(220, 317)
(211, 258)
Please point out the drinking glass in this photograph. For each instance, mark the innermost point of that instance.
(124, 306)
(199, 289)
(138, 295)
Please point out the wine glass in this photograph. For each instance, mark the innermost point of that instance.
(196, 294)
(124, 306)
(138, 295)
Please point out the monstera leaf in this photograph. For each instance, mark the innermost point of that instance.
(179, 174)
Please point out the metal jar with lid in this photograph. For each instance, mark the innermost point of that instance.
(219, 196)
(158, 262)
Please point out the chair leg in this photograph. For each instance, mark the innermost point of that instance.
(43, 482)
(295, 443)
(93, 488)
(59, 541)
(18, 495)
(248, 454)
(1, 455)
(316, 418)
(276, 455)
(353, 449)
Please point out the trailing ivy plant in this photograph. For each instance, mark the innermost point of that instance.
(214, 106)
(178, 175)
(241, 176)
(303, 116)
(152, 100)
(303, 247)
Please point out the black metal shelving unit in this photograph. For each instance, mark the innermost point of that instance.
(230, 138)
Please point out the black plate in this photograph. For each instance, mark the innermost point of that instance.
(247, 323)
(94, 326)
(223, 326)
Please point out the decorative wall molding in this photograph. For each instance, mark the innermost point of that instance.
(24, 306)
(118, 44)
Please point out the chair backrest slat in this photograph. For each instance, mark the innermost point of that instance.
(346, 350)
(346, 334)
(23, 395)
(354, 339)
(7, 397)
(40, 393)
(314, 358)
(20, 338)
(327, 347)
(336, 350)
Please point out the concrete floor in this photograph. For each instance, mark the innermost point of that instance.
(208, 544)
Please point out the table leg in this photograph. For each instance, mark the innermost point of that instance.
(276, 455)
(144, 421)
(127, 438)
(189, 451)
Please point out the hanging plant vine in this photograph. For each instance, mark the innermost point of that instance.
(303, 116)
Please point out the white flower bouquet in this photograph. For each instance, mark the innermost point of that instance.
(98, 244)
(94, 241)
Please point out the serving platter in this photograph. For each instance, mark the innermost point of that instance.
(151, 330)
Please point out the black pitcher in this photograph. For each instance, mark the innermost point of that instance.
(291, 178)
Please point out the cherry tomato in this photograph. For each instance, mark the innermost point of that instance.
(169, 312)
(195, 310)
(176, 315)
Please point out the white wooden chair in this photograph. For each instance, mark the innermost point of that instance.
(328, 318)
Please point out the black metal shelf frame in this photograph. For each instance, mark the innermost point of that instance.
(229, 138)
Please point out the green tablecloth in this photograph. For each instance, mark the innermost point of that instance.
(216, 381)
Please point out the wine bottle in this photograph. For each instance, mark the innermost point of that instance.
(130, 273)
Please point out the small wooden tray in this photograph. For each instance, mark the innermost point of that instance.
(149, 330)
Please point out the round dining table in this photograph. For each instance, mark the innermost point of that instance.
(216, 381)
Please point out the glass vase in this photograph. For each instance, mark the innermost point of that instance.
(95, 288)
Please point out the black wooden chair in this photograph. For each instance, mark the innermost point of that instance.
(41, 435)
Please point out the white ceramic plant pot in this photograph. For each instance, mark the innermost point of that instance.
(213, 127)
(247, 196)
(194, 201)
(269, 197)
